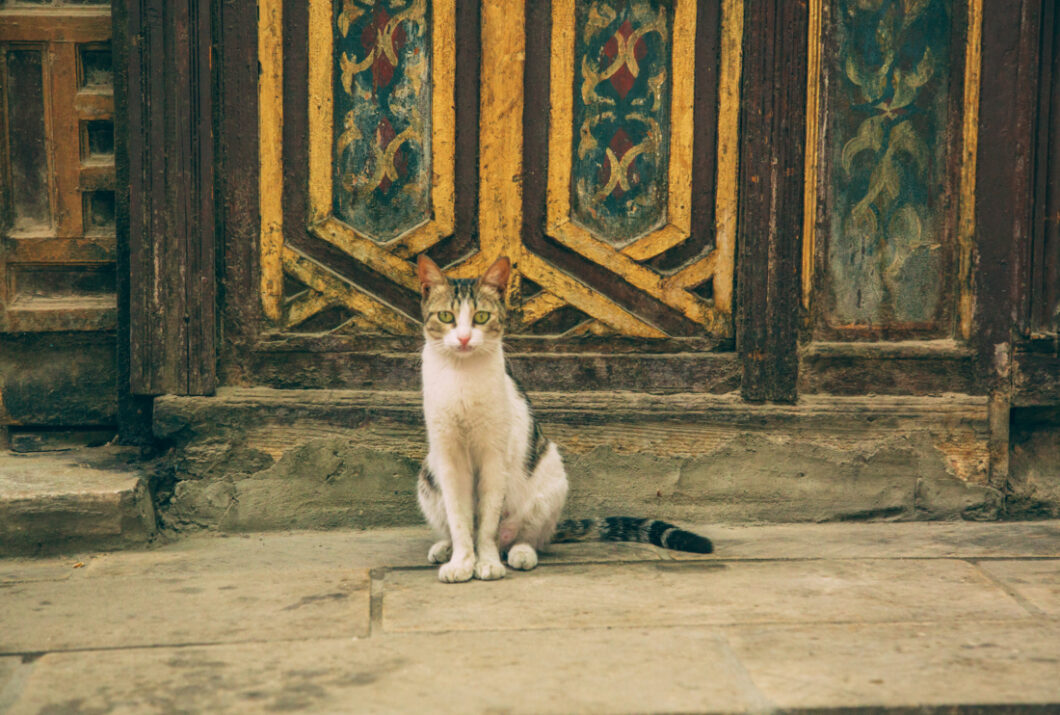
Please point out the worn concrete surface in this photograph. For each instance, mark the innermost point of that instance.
(936, 617)
(95, 498)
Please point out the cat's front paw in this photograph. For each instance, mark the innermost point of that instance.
(441, 552)
(522, 557)
(489, 569)
(457, 570)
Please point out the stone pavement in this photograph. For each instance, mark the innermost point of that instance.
(874, 617)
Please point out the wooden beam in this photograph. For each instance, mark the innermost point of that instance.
(772, 142)
(169, 144)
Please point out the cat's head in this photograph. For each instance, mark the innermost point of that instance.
(463, 316)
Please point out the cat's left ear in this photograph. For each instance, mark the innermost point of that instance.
(496, 276)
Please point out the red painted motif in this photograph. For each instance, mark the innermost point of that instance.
(378, 37)
(624, 77)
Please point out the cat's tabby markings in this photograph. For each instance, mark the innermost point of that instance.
(492, 482)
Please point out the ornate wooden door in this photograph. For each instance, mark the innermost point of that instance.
(591, 141)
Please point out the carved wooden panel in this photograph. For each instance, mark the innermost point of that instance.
(364, 164)
(57, 162)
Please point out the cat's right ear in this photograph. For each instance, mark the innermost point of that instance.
(429, 273)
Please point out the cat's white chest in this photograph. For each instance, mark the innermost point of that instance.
(464, 397)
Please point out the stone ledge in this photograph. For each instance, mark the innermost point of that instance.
(259, 458)
(66, 501)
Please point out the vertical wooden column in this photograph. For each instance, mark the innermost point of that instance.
(170, 228)
(772, 142)
(1004, 198)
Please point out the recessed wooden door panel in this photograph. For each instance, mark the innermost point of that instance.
(57, 159)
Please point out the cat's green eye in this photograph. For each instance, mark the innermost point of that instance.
(481, 317)
(446, 316)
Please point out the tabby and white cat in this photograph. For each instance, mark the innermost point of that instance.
(492, 483)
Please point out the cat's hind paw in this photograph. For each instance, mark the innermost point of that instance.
(457, 571)
(489, 569)
(441, 552)
(522, 557)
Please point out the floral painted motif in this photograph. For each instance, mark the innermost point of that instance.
(888, 145)
(621, 117)
(382, 175)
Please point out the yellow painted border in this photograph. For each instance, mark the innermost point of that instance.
(270, 151)
(500, 160)
(728, 156)
(813, 150)
(969, 152)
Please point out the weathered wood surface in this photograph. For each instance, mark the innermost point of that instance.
(772, 141)
(171, 216)
(57, 244)
(574, 372)
(905, 367)
(1003, 179)
(1044, 259)
(352, 408)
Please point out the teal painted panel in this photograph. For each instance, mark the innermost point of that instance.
(382, 179)
(887, 150)
(621, 117)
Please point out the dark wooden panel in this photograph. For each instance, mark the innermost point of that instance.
(561, 372)
(28, 185)
(1044, 260)
(1003, 177)
(772, 139)
(133, 411)
(1037, 377)
(237, 183)
(906, 368)
(171, 226)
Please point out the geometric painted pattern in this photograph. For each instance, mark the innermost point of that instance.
(619, 171)
(392, 62)
(382, 177)
(622, 115)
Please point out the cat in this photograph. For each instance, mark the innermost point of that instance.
(492, 483)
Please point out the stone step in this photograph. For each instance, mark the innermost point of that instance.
(250, 459)
(61, 502)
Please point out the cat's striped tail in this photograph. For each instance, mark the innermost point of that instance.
(631, 528)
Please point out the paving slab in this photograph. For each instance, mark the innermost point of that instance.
(8, 669)
(1036, 581)
(529, 672)
(697, 593)
(23, 569)
(389, 548)
(945, 539)
(902, 665)
(178, 609)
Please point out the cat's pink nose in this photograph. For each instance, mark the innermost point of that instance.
(463, 341)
